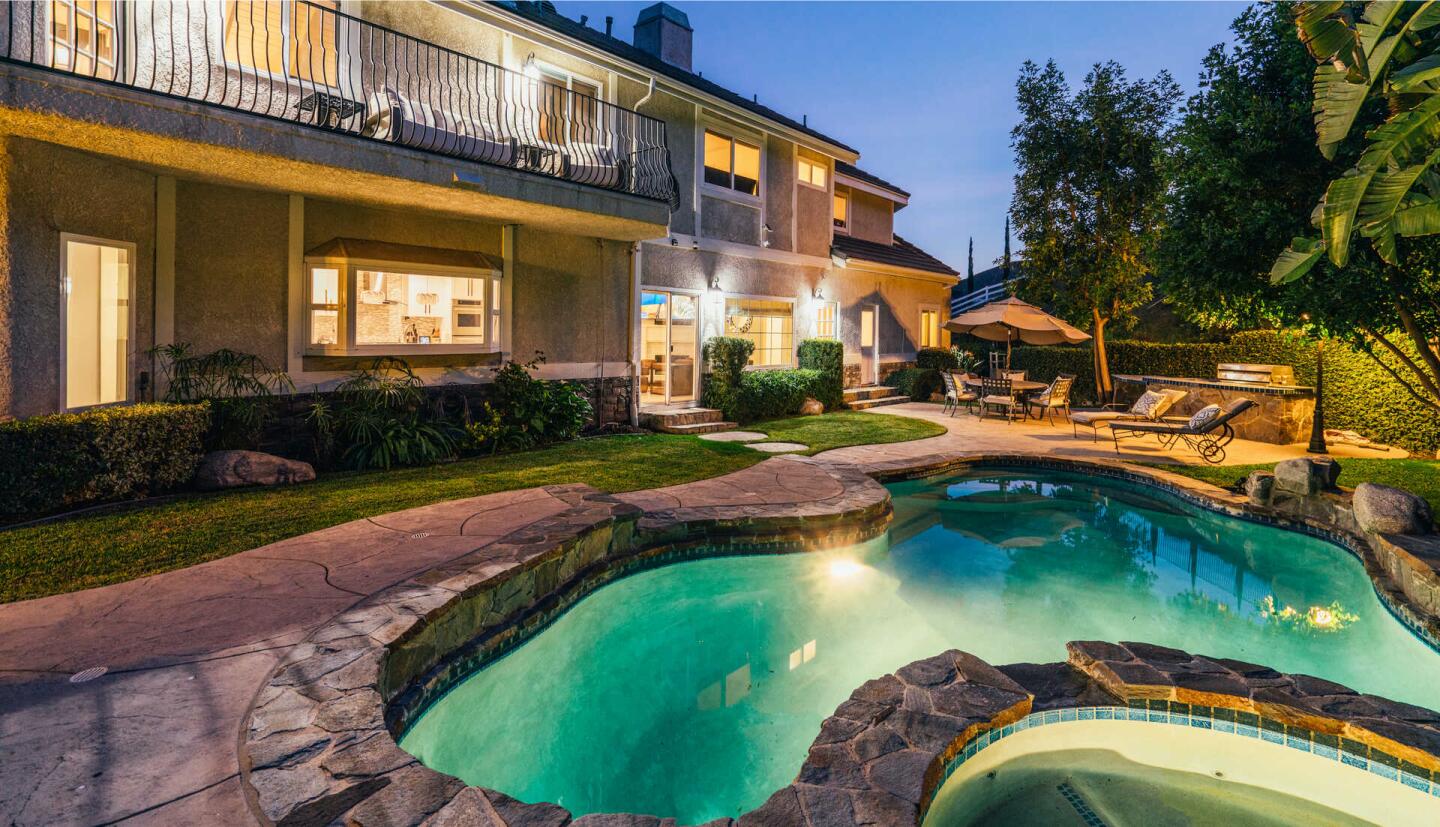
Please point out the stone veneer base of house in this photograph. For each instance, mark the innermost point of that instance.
(320, 742)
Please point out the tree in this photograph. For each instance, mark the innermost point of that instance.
(1089, 193)
(1005, 262)
(970, 266)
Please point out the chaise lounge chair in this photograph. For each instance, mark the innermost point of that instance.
(1148, 408)
(1206, 433)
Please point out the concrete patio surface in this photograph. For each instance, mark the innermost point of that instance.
(993, 435)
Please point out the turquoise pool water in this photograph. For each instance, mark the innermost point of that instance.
(694, 690)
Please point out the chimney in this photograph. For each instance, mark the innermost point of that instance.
(609, 24)
(664, 31)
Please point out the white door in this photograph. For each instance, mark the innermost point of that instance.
(869, 345)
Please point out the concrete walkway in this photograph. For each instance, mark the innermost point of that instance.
(155, 739)
(995, 435)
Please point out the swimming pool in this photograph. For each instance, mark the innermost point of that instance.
(694, 690)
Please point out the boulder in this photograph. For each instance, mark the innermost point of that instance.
(1385, 510)
(1306, 475)
(231, 469)
(1260, 487)
(812, 407)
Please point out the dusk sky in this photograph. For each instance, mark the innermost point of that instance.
(925, 91)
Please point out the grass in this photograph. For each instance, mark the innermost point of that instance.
(845, 428)
(113, 546)
(1421, 476)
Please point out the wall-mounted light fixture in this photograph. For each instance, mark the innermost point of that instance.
(531, 69)
(765, 242)
(838, 258)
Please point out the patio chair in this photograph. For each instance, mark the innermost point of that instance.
(1054, 398)
(1000, 394)
(956, 393)
(1143, 410)
(1206, 433)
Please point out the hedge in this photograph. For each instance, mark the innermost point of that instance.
(62, 461)
(725, 359)
(826, 356)
(1359, 395)
(765, 394)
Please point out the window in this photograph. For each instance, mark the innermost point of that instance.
(929, 328)
(732, 164)
(281, 37)
(83, 37)
(397, 309)
(827, 318)
(812, 173)
(769, 323)
(98, 281)
(842, 211)
(569, 109)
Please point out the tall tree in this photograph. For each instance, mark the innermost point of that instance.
(1005, 272)
(1089, 193)
(970, 266)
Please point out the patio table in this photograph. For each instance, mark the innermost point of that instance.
(1017, 385)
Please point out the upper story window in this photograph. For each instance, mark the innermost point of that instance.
(364, 307)
(812, 174)
(283, 38)
(732, 163)
(83, 39)
(569, 108)
(842, 212)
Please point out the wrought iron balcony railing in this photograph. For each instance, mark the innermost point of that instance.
(306, 63)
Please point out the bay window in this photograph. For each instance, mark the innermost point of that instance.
(769, 323)
(372, 307)
(732, 164)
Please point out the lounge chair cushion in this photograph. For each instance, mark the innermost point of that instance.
(1152, 405)
(1203, 417)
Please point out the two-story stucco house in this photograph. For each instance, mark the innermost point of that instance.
(320, 183)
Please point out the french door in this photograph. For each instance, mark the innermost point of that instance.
(669, 347)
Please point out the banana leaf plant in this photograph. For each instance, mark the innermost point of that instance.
(1391, 52)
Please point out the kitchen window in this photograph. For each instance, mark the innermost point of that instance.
(732, 164)
(812, 174)
(769, 323)
(842, 212)
(98, 287)
(369, 307)
(83, 37)
(827, 320)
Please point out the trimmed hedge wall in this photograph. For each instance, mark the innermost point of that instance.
(1359, 395)
(725, 359)
(66, 460)
(766, 394)
(827, 357)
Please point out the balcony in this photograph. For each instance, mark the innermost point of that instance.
(305, 63)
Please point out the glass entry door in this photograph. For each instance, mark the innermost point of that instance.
(669, 347)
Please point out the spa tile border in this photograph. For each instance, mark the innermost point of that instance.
(886, 752)
(1406, 584)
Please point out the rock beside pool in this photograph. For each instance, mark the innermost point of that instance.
(1306, 475)
(1260, 487)
(1384, 510)
(812, 407)
(232, 469)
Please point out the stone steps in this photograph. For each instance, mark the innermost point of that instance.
(868, 392)
(685, 421)
(876, 402)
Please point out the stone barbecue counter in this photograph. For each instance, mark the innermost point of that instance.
(1282, 413)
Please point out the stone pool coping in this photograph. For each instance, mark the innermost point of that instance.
(318, 744)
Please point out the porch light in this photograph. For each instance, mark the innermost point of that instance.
(531, 69)
(839, 259)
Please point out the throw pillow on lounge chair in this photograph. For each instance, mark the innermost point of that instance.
(1202, 417)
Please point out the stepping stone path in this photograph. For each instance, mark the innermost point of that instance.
(735, 436)
(778, 447)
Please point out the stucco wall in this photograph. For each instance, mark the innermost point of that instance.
(434, 24)
(899, 300)
(814, 211)
(46, 190)
(571, 298)
(231, 275)
(872, 218)
(679, 117)
(780, 175)
(729, 221)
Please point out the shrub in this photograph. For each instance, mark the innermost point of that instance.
(765, 394)
(66, 460)
(380, 419)
(240, 388)
(528, 412)
(725, 361)
(909, 382)
(937, 358)
(827, 357)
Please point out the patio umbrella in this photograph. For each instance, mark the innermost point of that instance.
(1011, 319)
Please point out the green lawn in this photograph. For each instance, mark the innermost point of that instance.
(845, 428)
(1421, 476)
(103, 548)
